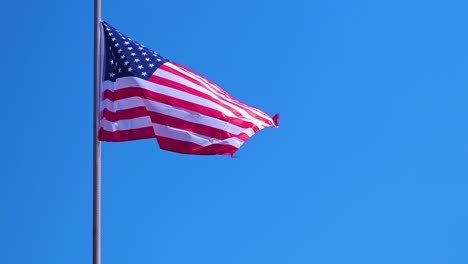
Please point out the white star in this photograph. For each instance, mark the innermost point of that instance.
(140, 67)
(140, 48)
(112, 61)
(129, 48)
(119, 51)
(111, 75)
(151, 65)
(110, 33)
(143, 53)
(126, 42)
(113, 39)
(122, 57)
(143, 73)
(158, 59)
(147, 59)
(137, 60)
(133, 53)
(119, 70)
(126, 62)
(129, 69)
(154, 54)
(108, 29)
(116, 44)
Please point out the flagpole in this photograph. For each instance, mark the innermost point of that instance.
(96, 142)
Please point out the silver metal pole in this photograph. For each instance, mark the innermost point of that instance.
(96, 143)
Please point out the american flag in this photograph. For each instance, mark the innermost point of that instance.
(147, 96)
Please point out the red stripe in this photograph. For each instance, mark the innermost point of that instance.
(124, 114)
(185, 147)
(126, 135)
(150, 95)
(216, 88)
(158, 118)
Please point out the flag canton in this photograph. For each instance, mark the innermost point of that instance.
(125, 57)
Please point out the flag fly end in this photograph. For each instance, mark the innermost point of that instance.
(275, 119)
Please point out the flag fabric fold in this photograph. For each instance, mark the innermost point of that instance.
(144, 95)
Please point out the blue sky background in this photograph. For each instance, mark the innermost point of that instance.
(369, 164)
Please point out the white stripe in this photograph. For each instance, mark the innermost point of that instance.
(134, 123)
(183, 114)
(169, 132)
(223, 95)
(198, 139)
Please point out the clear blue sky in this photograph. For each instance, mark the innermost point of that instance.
(369, 165)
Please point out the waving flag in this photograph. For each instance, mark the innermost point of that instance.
(147, 96)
